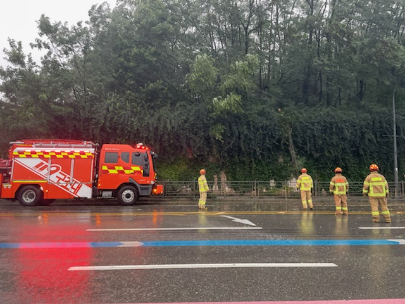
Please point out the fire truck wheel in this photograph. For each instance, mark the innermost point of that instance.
(127, 195)
(29, 196)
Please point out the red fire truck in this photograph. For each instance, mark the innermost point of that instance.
(40, 171)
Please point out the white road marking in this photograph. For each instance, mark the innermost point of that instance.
(170, 229)
(195, 266)
(234, 219)
(381, 228)
(131, 244)
(402, 242)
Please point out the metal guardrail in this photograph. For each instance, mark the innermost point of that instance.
(262, 189)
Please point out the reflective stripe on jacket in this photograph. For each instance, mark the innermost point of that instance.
(202, 184)
(375, 185)
(304, 182)
(339, 184)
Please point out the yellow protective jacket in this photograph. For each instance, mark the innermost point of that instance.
(202, 184)
(304, 182)
(339, 184)
(375, 185)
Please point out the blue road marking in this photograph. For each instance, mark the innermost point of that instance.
(203, 243)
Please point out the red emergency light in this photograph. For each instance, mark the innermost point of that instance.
(141, 146)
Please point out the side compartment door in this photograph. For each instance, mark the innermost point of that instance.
(71, 176)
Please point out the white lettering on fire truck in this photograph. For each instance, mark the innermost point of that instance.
(56, 176)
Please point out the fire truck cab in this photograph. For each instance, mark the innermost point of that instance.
(40, 171)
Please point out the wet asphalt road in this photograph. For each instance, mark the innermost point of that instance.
(171, 253)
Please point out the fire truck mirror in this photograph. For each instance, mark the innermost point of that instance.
(146, 158)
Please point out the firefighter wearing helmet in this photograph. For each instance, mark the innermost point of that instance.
(339, 187)
(203, 188)
(305, 185)
(376, 187)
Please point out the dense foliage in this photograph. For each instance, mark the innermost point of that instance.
(257, 88)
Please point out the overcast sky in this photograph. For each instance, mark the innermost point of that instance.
(18, 19)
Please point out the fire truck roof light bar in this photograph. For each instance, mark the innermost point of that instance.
(141, 146)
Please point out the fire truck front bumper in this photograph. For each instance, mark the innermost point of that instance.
(158, 189)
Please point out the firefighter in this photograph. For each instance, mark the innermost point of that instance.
(305, 184)
(203, 188)
(376, 187)
(339, 187)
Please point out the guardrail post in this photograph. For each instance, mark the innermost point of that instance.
(287, 189)
(256, 191)
(194, 188)
(316, 188)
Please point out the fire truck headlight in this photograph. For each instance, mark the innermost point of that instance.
(152, 182)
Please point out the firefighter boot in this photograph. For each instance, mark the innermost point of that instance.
(387, 216)
(376, 216)
(310, 205)
(345, 211)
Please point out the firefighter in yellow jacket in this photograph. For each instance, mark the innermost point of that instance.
(203, 188)
(339, 186)
(376, 187)
(305, 184)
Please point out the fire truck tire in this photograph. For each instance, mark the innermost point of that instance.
(127, 195)
(29, 195)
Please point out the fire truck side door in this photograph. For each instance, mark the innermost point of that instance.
(138, 159)
(146, 168)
